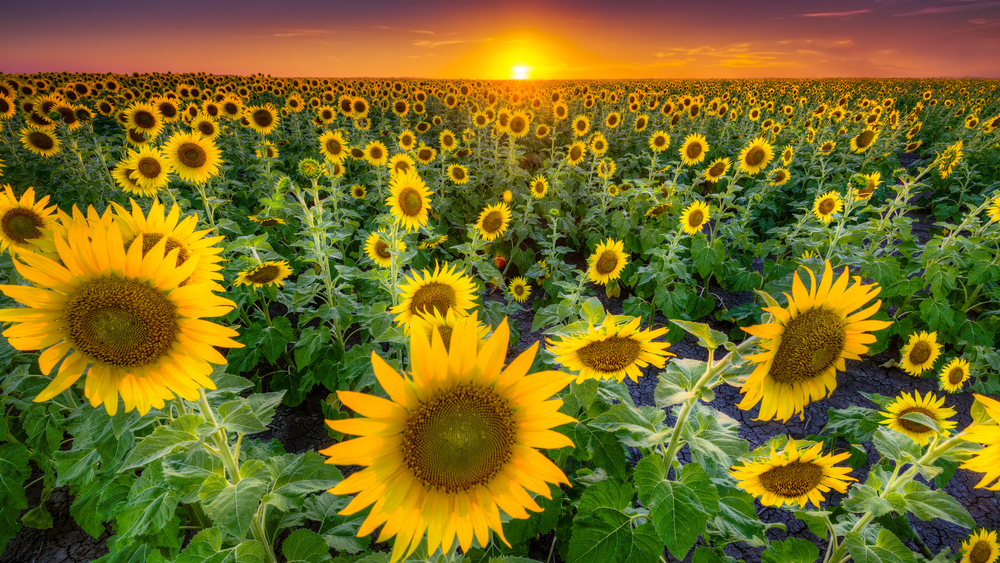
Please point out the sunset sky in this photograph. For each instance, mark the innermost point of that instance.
(463, 39)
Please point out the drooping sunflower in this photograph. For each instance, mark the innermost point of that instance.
(718, 169)
(756, 156)
(694, 149)
(266, 221)
(954, 375)
(659, 141)
(658, 210)
(409, 200)
(151, 171)
(454, 443)
(928, 405)
(183, 234)
(980, 547)
(920, 353)
(576, 153)
(607, 261)
(262, 119)
(333, 146)
(376, 154)
(493, 221)
(443, 290)
(874, 179)
(22, 221)
(268, 272)
(120, 313)
(694, 217)
(779, 177)
(864, 140)
(520, 290)
(826, 205)
(612, 351)
(401, 164)
(539, 187)
(39, 141)
(793, 476)
(377, 248)
(458, 174)
(193, 157)
(809, 341)
(949, 159)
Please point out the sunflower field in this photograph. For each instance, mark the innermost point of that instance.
(587, 322)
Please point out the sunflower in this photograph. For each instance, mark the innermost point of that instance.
(193, 157)
(378, 249)
(756, 156)
(607, 261)
(659, 141)
(267, 150)
(22, 221)
(426, 154)
(598, 144)
(981, 547)
(874, 179)
(493, 221)
(793, 476)
(39, 141)
(120, 313)
(986, 460)
(407, 140)
(148, 230)
(718, 169)
(606, 168)
(576, 153)
(910, 147)
(694, 149)
(409, 200)
(150, 170)
(540, 187)
(358, 191)
(542, 131)
(994, 209)
(787, 155)
(144, 118)
(808, 343)
(519, 124)
(262, 119)
(123, 176)
(443, 290)
(269, 272)
(954, 375)
(920, 353)
(779, 176)
(458, 174)
(827, 147)
(454, 444)
(376, 153)
(581, 125)
(401, 164)
(928, 405)
(694, 217)
(431, 321)
(658, 210)
(826, 205)
(266, 221)
(641, 121)
(949, 159)
(206, 126)
(612, 351)
(864, 140)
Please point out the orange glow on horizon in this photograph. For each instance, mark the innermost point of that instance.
(521, 72)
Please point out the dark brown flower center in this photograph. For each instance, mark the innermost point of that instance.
(755, 156)
(382, 249)
(696, 218)
(980, 552)
(144, 119)
(206, 128)
(410, 202)
(493, 222)
(920, 353)
(264, 274)
(610, 355)
(865, 138)
(458, 173)
(20, 224)
(694, 150)
(607, 262)
(149, 167)
(192, 155)
(811, 343)
(827, 205)
(435, 296)
(956, 375)
(792, 480)
(263, 118)
(41, 140)
(575, 153)
(717, 169)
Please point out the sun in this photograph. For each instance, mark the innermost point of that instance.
(521, 72)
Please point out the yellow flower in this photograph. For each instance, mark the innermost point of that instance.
(929, 406)
(22, 221)
(333, 146)
(454, 443)
(920, 353)
(607, 262)
(694, 149)
(443, 290)
(717, 169)
(458, 174)
(576, 153)
(39, 141)
(520, 290)
(540, 186)
(694, 217)
(193, 157)
(262, 119)
(826, 205)
(981, 547)
(864, 140)
(756, 156)
(376, 154)
(269, 272)
(986, 460)
(793, 476)
(954, 375)
(612, 351)
(659, 141)
(409, 200)
(378, 249)
(493, 221)
(874, 179)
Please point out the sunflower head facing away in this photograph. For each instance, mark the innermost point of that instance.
(453, 444)
(607, 261)
(793, 476)
(809, 341)
(920, 353)
(612, 351)
(443, 290)
(928, 405)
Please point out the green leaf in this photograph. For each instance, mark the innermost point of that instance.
(928, 504)
(274, 338)
(187, 470)
(677, 381)
(593, 311)
(639, 427)
(856, 424)
(296, 475)
(339, 532)
(938, 314)
(38, 518)
(706, 555)
(149, 510)
(737, 517)
(305, 546)
(206, 547)
(310, 341)
(606, 535)
(232, 507)
(792, 550)
(75, 466)
(101, 500)
(863, 498)
(182, 432)
(603, 447)
(895, 445)
(715, 444)
(250, 415)
(610, 493)
(681, 509)
(707, 337)
(648, 473)
(887, 549)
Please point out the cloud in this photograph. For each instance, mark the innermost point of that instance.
(301, 32)
(431, 44)
(968, 5)
(834, 14)
(421, 31)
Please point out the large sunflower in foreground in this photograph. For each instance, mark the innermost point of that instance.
(928, 405)
(409, 200)
(986, 460)
(454, 444)
(981, 547)
(22, 221)
(793, 476)
(194, 158)
(442, 291)
(756, 156)
(607, 261)
(808, 343)
(120, 313)
(612, 351)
